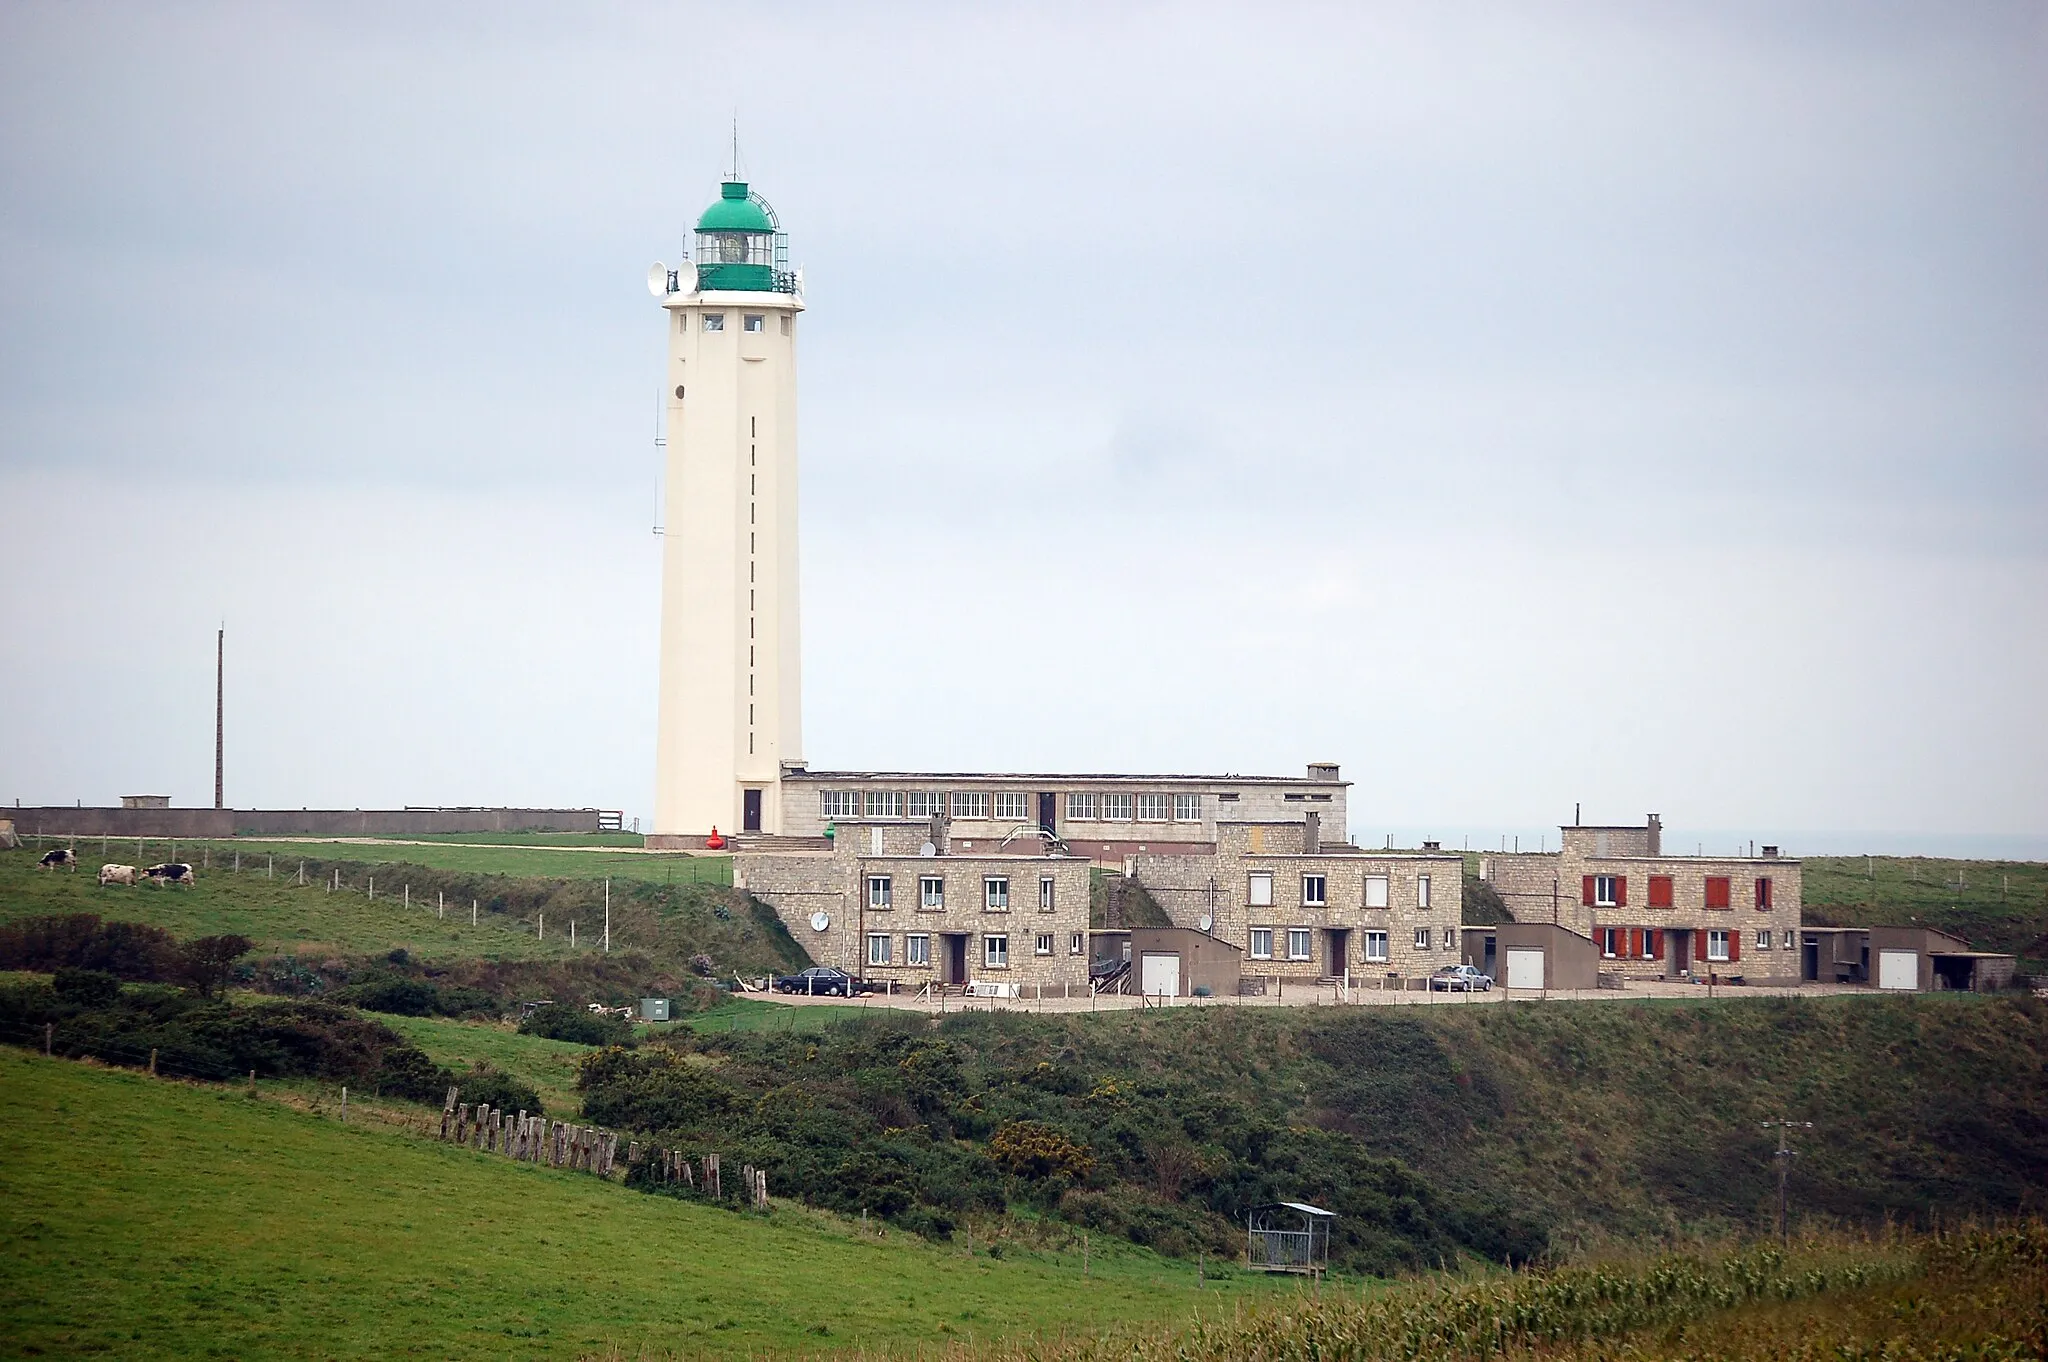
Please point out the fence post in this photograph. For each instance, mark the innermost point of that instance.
(472, 912)
(302, 872)
(373, 888)
(270, 867)
(49, 1033)
(408, 897)
(344, 1106)
(152, 1061)
(238, 860)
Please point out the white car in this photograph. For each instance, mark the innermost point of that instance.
(1453, 977)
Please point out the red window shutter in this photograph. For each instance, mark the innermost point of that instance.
(1621, 891)
(1734, 944)
(1635, 943)
(1763, 893)
(1660, 891)
(1656, 943)
(1699, 947)
(1586, 891)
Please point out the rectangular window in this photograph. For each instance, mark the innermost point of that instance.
(1717, 891)
(785, 323)
(1118, 807)
(1187, 808)
(1261, 891)
(1262, 943)
(931, 892)
(1314, 891)
(1422, 938)
(1081, 806)
(1603, 891)
(1298, 942)
(839, 803)
(1376, 948)
(1010, 805)
(885, 803)
(1041, 944)
(1607, 944)
(917, 950)
(1045, 893)
(1450, 939)
(1763, 894)
(1763, 939)
(878, 891)
(970, 804)
(1375, 891)
(926, 804)
(1422, 891)
(1077, 943)
(1151, 808)
(1789, 941)
(1660, 891)
(878, 949)
(752, 321)
(1717, 944)
(995, 893)
(714, 321)
(995, 952)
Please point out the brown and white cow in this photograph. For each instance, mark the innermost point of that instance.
(61, 856)
(171, 872)
(117, 874)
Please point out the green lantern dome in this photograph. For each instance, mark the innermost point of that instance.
(741, 246)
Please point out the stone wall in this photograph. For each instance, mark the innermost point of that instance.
(60, 820)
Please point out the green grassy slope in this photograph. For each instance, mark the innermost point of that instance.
(150, 1218)
(1994, 905)
(666, 924)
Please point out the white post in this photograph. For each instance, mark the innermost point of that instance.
(607, 915)
(408, 896)
(542, 934)
(440, 904)
(472, 912)
(572, 933)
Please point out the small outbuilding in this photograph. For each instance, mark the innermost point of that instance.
(1533, 955)
(1177, 962)
(1928, 960)
(1288, 1236)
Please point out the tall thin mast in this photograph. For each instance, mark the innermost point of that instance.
(220, 654)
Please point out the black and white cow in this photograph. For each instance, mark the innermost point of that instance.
(171, 872)
(61, 856)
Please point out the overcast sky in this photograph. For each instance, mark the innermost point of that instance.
(1643, 405)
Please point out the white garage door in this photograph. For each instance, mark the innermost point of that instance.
(1898, 969)
(1159, 975)
(1525, 967)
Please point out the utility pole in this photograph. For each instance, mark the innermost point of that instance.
(220, 674)
(1784, 1158)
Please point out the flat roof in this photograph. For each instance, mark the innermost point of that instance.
(1160, 779)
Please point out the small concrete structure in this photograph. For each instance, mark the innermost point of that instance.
(145, 801)
(1927, 960)
(654, 1009)
(1174, 962)
(1533, 955)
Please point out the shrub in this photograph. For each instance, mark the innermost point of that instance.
(499, 1089)
(126, 950)
(655, 1089)
(206, 962)
(565, 1021)
(86, 987)
(1032, 1149)
(391, 993)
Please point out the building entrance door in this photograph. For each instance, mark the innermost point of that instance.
(750, 811)
(953, 957)
(1681, 951)
(1049, 813)
(1336, 951)
(1811, 967)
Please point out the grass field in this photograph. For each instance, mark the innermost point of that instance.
(149, 1217)
(1994, 905)
(550, 1065)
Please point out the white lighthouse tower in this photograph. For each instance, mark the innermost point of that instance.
(731, 684)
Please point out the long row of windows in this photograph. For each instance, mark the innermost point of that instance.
(1315, 890)
(995, 948)
(1300, 943)
(1648, 943)
(1716, 891)
(1007, 806)
(749, 321)
(931, 893)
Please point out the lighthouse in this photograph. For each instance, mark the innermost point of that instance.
(730, 704)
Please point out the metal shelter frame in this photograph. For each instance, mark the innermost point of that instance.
(1288, 1236)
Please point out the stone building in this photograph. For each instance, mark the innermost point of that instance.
(887, 904)
(1098, 816)
(1304, 909)
(1657, 915)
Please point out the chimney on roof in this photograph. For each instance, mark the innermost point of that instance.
(1770, 852)
(1432, 846)
(1656, 838)
(1312, 834)
(1322, 770)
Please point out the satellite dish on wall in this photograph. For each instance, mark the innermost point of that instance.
(928, 849)
(657, 279)
(1205, 922)
(686, 278)
(820, 921)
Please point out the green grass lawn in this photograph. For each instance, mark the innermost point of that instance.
(529, 862)
(550, 1065)
(1994, 905)
(742, 1013)
(278, 914)
(145, 1217)
(532, 839)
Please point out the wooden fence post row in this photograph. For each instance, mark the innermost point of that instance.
(529, 1139)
